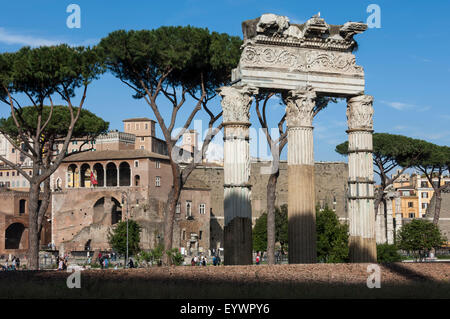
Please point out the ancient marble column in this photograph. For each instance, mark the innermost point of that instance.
(398, 213)
(380, 221)
(361, 191)
(236, 102)
(301, 198)
(390, 196)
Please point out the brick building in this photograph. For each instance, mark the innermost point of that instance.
(137, 181)
(14, 223)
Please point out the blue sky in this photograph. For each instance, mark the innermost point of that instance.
(406, 61)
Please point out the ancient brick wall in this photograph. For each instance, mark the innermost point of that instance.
(330, 184)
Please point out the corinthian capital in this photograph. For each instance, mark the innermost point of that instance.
(236, 103)
(300, 107)
(360, 112)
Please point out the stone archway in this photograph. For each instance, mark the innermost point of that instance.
(13, 236)
(99, 173)
(124, 174)
(301, 62)
(111, 174)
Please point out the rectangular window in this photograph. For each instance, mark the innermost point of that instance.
(424, 195)
(411, 215)
(142, 147)
(1, 174)
(406, 193)
(424, 205)
(158, 164)
(142, 139)
(178, 209)
(424, 184)
(200, 235)
(158, 181)
(410, 204)
(136, 163)
(13, 173)
(202, 209)
(183, 235)
(13, 150)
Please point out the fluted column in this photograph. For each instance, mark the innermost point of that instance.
(301, 198)
(398, 213)
(361, 193)
(380, 225)
(236, 102)
(389, 218)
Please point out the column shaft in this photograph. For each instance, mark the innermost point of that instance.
(361, 192)
(236, 104)
(301, 197)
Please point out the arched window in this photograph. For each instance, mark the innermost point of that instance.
(99, 174)
(124, 174)
(13, 236)
(85, 175)
(72, 175)
(111, 174)
(22, 204)
(137, 180)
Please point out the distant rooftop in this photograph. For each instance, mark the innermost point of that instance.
(138, 119)
(113, 155)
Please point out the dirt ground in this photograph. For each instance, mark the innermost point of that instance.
(398, 280)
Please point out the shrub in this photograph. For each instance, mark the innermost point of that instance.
(387, 253)
(175, 257)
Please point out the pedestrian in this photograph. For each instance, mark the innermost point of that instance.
(218, 260)
(130, 263)
(214, 260)
(203, 261)
(17, 263)
(193, 261)
(60, 263)
(196, 260)
(257, 259)
(106, 262)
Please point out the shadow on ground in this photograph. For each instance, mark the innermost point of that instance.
(203, 283)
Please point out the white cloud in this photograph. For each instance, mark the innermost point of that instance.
(398, 105)
(10, 38)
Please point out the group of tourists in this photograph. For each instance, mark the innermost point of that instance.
(105, 260)
(203, 261)
(14, 265)
(62, 262)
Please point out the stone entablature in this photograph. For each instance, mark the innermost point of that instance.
(284, 56)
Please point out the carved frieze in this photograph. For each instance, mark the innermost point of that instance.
(236, 102)
(299, 60)
(300, 107)
(360, 112)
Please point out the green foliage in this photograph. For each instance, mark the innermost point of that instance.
(175, 257)
(43, 71)
(259, 233)
(405, 151)
(117, 238)
(281, 229)
(87, 125)
(387, 253)
(185, 53)
(419, 237)
(332, 237)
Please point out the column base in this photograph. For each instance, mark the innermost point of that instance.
(362, 250)
(238, 242)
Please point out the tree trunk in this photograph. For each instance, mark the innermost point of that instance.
(271, 197)
(437, 207)
(170, 209)
(33, 229)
